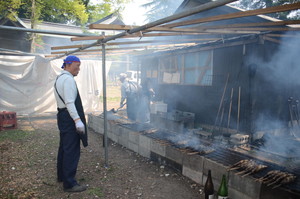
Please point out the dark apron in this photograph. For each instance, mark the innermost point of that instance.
(64, 117)
(79, 108)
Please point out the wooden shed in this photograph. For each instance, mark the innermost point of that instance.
(233, 81)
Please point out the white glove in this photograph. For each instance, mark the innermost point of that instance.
(80, 127)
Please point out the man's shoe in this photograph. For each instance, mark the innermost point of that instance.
(76, 188)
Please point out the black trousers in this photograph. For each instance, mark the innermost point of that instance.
(69, 150)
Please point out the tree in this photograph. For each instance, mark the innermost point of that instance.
(57, 11)
(106, 7)
(257, 4)
(9, 8)
(159, 9)
(77, 12)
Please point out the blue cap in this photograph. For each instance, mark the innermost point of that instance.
(70, 59)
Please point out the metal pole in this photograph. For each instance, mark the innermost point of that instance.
(104, 104)
(44, 31)
(207, 6)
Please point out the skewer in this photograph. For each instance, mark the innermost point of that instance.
(193, 153)
(238, 165)
(275, 177)
(243, 172)
(287, 180)
(269, 175)
(257, 169)
(279, 179)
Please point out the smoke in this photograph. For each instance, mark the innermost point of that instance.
(267, 122)
(282, 72)
(283, 67)
(188, 139)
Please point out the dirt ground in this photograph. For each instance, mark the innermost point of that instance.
(28, 167)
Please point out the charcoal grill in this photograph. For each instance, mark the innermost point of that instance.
(225, 155)
(228, 157)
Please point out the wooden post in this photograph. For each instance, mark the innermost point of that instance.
(229, 111)
(222, 100)
(238, 112)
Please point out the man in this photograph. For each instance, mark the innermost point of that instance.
(71, 123)
(129, 92)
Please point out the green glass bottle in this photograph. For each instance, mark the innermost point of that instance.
(223, 190)
(209, 187)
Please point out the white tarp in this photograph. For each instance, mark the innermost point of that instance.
(26, 84)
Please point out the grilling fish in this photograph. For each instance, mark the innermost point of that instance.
(279, 178)
(255, 169)
(238, 165)
(286, 180)
(275, 177)
(268, 176)
(248, 166)
(251, 167)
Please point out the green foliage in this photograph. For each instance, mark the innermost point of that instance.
(61, 11)
(58, 11)
(8, 8)
(13, 135)
(258, 4)
(96, 192)
(105, 8)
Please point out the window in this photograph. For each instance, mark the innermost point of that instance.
(187, 69)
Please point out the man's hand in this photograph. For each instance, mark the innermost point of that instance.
(80, 127)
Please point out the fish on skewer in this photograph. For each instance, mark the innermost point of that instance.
(255, 170)
(238, 165)
(278, 178)
(285, 177)
(251, 168)
(286, 180)
(248, 167)
(269, 175)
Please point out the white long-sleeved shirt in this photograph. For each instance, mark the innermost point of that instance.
(67, 89)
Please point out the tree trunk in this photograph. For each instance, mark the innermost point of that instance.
(33, 26)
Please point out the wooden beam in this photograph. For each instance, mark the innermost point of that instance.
(137, 35)
(273, 23)
(100, 50)
(282, 35)
(272, 39)
(137, 42)
(129, 48)
(264, 29)
(126, 28)
(191, 11)
(189, 30)
(205, 48)
(281, 8)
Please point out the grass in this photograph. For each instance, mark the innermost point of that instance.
(13, 135)
(111, 99)
(96, 192)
